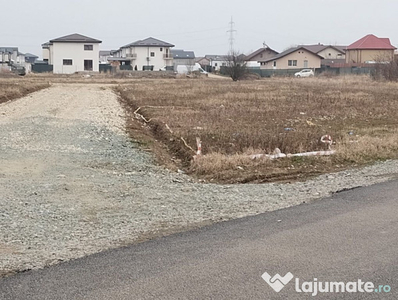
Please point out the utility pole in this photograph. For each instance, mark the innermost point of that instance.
(231, 32)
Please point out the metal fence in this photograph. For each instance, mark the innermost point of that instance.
(105, 68)
(324, 69)
(42, 68)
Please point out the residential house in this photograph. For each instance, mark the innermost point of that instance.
(204, 63)
(332, 54)
(11, 55)
(182, 57)
(148, 54)
(30, 58)
(293, 58)
(370, 49)
(104, 55)
(252, 60)
(46, 50)
(217, 61)
(327, 51)
(72, 53)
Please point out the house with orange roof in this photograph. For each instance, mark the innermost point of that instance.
(370, 49)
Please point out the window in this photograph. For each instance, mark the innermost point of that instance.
(274, 63)
(152, 54)
(292, 63)
(67, 62)
(88, 47)
(215, 64)
(161, 49)
(306, 64)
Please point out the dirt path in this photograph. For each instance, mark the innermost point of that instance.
(72, 183)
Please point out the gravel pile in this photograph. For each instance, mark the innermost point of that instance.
(72, 183)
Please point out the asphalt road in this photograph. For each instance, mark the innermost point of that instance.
(350, 236)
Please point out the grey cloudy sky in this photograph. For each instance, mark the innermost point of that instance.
(197, 25)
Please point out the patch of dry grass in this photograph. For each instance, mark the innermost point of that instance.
(14, 87)
(234, 119)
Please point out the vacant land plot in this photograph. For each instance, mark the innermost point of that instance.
(12, 88)
(234, 120)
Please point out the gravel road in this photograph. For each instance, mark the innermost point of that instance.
(72, 183)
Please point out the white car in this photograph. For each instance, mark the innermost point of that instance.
(305, 73)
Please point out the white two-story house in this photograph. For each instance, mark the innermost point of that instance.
(72, 53)
(148, 54)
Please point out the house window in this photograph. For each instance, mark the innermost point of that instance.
(161, 49)
(88, 47)
(67, 62)
(292, 63)
(152, 54)
(215, 64)
(274, 63)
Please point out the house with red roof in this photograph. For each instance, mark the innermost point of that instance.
(370, 49)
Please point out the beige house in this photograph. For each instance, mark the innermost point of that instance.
(370, 49)
(327, 51)
(293, 58)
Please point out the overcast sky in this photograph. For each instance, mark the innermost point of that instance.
(197, 25)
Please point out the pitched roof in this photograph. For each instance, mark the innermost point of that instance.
(8, 49)
(105, 52)
(289, 51)
(198, 59)
(320, 47)
(181, 54)
(30, 55)
(371, 41)
(75, 38)
(341, 48)
(216, 57)
(259, 51)
(149, 42)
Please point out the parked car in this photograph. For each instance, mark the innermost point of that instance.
(305, 73)
(18, 69)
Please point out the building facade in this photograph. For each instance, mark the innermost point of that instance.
(293, 58)
(144, 55)
(72, 53)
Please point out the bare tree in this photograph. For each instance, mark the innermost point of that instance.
(236, 65)
(386, 68)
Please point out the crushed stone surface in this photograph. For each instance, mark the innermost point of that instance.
(72, 183)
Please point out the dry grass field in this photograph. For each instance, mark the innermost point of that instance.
(12, 87)
(236, 119)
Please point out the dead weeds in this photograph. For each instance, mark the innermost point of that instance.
(14, 87)
(235, 119)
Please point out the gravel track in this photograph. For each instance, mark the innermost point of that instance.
(72, 183)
